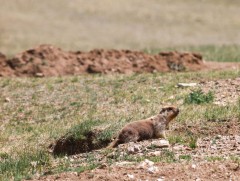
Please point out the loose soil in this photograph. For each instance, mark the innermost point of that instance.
(47, 60)
(215, 157)
(225, 91)
(211, 160)
(174, 171)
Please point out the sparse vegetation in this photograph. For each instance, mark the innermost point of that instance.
(214, 158)
(220, 113)
(23, 166)
(35, 112)
(193, 142)
(36, 116)
(199, 97)
(185, 157)
(220, 53)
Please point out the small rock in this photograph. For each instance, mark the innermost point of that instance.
(75, 173)
(171, 97)
(103, 165)
(155, 153)
(130, 176)
(186, 84)
(148, 162)
(90, 176)
(124, 163)
(160, 143)
(152, 169)
(194, 166)
(145, 164)
(39, 74)
(133, 149)
(7, 99)
(160, 179)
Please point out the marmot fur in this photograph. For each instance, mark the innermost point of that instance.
(153, 127)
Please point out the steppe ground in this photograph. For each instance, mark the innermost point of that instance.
(34, 112)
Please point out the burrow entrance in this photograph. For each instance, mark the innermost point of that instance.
(70, 145)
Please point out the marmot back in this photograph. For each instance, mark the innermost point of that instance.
(153, 127)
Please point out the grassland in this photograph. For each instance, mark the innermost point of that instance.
(35, 112)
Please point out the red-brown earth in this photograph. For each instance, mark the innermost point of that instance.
(47, 60)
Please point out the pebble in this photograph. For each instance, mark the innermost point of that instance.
(152, 169)
(160, 179)
(186, 84)
(7, 99)
(130, 176)
(133, 149)
(194, 166)
(161, 143)
(145, 163)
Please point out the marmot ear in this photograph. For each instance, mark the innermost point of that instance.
(162, 110)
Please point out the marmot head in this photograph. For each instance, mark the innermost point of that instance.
(169, 112)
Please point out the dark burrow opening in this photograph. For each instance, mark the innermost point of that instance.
(70, 145)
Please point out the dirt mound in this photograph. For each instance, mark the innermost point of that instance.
(5, 70)
(47, 60)
(44, 60)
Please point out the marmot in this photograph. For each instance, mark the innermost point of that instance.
(153, 127)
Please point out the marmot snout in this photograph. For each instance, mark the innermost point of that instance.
(153, 127)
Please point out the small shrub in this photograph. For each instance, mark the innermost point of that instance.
(199, 97)
(185, 157)
(193, 143)
(168, 156)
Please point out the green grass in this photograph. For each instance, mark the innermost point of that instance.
(23, 166)
(214, 158)
(199, 97)
(185, 157)
(221, 113)
(219, 53)
(79, 131)
(39, 111)
(193, 142)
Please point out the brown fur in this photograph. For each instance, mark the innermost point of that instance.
(153, 127)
